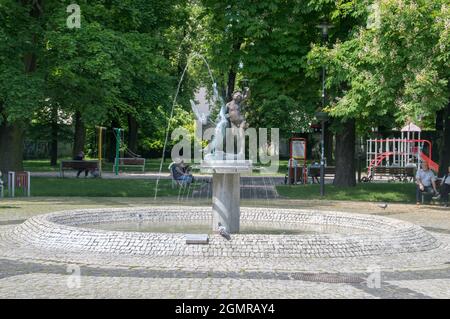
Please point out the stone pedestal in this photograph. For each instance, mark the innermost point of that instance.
(226, 198)
(226, 187)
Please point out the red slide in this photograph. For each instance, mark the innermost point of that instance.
(433, 165)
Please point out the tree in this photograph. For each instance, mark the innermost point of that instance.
(395, 68)
(118, 64)
(20, 80)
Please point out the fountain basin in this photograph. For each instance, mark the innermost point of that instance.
(65, 232)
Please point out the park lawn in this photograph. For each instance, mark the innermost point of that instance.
(370, 192)
(90, 187)
(42, 165)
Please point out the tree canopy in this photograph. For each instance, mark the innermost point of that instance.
(387, 62)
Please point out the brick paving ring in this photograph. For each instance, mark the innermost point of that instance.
(376, 236)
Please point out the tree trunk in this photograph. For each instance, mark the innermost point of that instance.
(444, 154)
(111, 143)
(230, 84)
(233, 71)
(54, 137)
(11, 147)
(345, 155)
(79, 137)
(132, 133)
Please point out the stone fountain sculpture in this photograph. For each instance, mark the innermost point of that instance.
(227, 166)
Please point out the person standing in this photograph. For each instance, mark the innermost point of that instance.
(80, 157)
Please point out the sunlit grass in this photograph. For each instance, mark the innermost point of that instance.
(388, 192)
(98, 187)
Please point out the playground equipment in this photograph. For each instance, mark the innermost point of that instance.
(100, 146)
(134, 160)
(404, 152)
(20, 180)
(297, 172)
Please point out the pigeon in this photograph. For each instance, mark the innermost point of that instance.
(383, 205)
(223, 232)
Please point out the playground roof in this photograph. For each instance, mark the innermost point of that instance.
(411, 127)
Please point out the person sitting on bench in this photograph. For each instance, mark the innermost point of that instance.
(315, 177)
(181, 173)
(445, 188)
(426, 182)
(80, 157)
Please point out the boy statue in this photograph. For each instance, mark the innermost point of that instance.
(233, 111)
(236, 120)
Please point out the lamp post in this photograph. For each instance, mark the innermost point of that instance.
(322, 117)
(324, 27)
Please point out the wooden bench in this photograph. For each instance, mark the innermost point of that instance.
(78, 165)
(395, 173)
(130, 162)
(314, 172)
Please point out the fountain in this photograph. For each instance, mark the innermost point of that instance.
(227, 167)
(274, 232)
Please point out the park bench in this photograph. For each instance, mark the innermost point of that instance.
(395, 173)
(78, 165)
(428, 197)
(130, 162)
(314, 172)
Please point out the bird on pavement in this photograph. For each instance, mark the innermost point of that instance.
(383, 205)
(223, 232)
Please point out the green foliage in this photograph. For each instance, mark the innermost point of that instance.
(20, 91)
(267, 43)
(392, 71)
(389, 61)
(121, 62)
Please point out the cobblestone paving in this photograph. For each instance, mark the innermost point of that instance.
(377, 235)
(37, 286)
(434, 288)
(29, 273)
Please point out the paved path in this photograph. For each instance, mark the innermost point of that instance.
(26, 273)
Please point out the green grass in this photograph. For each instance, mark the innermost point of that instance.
(90, 187)
(371, 192)
(39, 166)
(81, 187)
